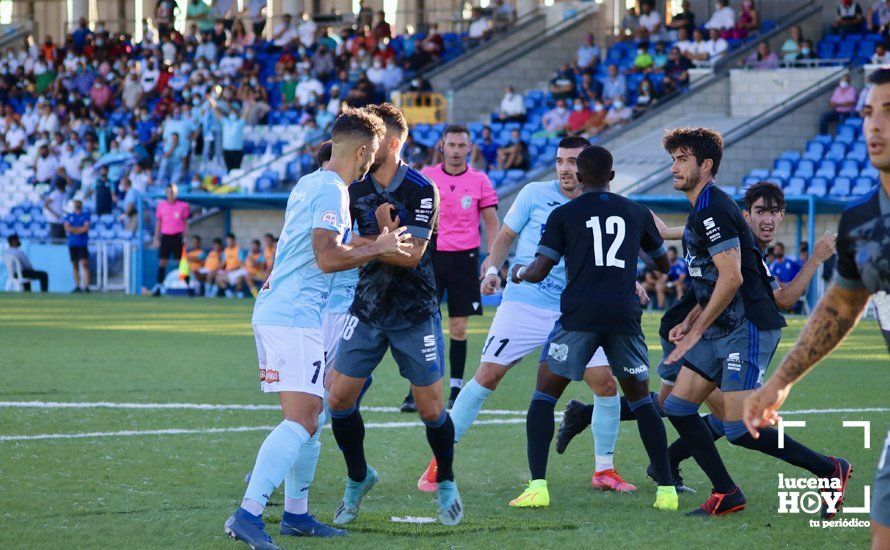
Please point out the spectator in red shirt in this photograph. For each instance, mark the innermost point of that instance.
(382, 29)
(579, 117)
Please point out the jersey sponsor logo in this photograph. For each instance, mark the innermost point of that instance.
(553, 203)
(330, 217)
(269, 376)
(642, 369)
(466, 201)
(558, 351)
(709, 223)
(734, 362)
(426, 204)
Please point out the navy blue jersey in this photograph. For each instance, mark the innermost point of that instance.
(600, 234)
(863, 252)
(676, 314)
(388, 296)
(715, 225)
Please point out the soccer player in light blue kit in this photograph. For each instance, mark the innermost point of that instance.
(287, 318)
(526, 317)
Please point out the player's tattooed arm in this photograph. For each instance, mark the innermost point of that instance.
(333, 256)
(834, 318)
(535, 272)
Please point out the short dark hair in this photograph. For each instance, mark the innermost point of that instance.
(573, 142)
(12, 239)
(217, 241)
(880, 76)
(594, 163)
(322, 155)
(672, 248)
(255, 241)
(772, 195)
(357, 123)
(269, 236)
(703, 143)
(197, 237)
(230, 236)
(456, 129)
(391, 116)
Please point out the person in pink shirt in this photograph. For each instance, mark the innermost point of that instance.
(100, 94)
(466, 198)
(842, 103)
(171, 230)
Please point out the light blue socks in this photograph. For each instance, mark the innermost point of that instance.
(276, 457)
(604, 426)
(467, 406)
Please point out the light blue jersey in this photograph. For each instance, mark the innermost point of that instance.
(343, 287)
(298, 289)
(527, 217)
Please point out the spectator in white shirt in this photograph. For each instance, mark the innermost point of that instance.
(479, 27)
(717, 46)
(150, 76)
(588, 56)
(15, 139)
(48, 121)
(69, 166)
(683, 43)
(880, 57)
(650, 23)
(699, 52)
(375, 74)
(307, 30)
(392, 76)
(140, 178)
(618, 113)
(284, 32)
(45, 166)
(723, 19)
(54, 211)
(335, 102)
(512, 108)
(230, 63)
(308, 90)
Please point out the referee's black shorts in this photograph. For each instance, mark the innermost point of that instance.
(171, 245)
(457, 273)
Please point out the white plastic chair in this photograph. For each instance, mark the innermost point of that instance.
(14, 278)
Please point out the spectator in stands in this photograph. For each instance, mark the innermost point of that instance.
(479, 28)
(723, 18)
(201, 14)
(588, 55)
(716, 46)
(14, 139)
(514, 155)
(591, 88)
(504, 15)
(619, 113)
(415, 153)
(763, 58)
(806, 51)
(232, 272)
(45, 165)
(562, 85)
(630, 23)
(306, 30)
(129, 205)
(698, 50)
(79, 36)
(285, 33)
(54, 211)
(597, 121)
(842, 104)
(660, 57)
(685, 20)
(784, 269)
(171, 231)
(579, 117)
(140, 178)
(614, 85)
(255, 12)
(485, 151)
(749, 20)
(365, 15)
(555, 120)
(232, 134)
(880, 57)
(102, 193)
(512, 108)
(792, 45)
(14, 253)
(651, 25)
(803, 252)
(362, 93)
(849, 17)
(643, 62)
(647, 97)
(433, 45)
(309, 90)
(879, 11)
(77, 225)
(381, 28)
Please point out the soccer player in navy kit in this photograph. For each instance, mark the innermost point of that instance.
(395, 307)
(600, 235)
(863, 272)
(728, 339)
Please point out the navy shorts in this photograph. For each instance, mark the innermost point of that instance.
(880, 505)
(737, 361)
(568, 353)
(419, 350)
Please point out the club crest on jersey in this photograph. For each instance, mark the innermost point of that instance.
(558, 351)
(466, 201)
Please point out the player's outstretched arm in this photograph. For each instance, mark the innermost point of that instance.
(497, 255)
(729, 279)
(789, 294)
(667, 233)
(831, 321)
(535, 272)
(333, 256)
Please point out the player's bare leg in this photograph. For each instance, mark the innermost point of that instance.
(606, 419)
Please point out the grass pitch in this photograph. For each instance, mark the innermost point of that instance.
(168, 477)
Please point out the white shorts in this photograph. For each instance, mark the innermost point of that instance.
(233, 276)
(332, 329)
(519, 329)
(290, 359)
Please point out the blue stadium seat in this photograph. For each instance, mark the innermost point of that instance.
(760, 174)
(863, 186)
(784, 166)
(805, 168)
(846, 134)
(870, 171)
(840, 187)
(846, 49)
(827, 169)
(837, 151)
(818, 186)
(793, 156)
(748, 181)
(795, 186)
(826, 50)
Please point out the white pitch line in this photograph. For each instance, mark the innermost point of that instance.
(190, 406)
(181, 431)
